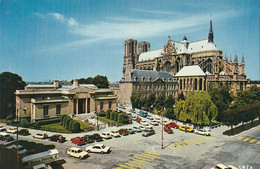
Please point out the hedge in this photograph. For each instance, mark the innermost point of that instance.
(64, 120)
(61, 120)
(112, 115)
(116, 116)
(24, 122)
(44, 122)
(67, 122)
(108, 114)
(70, 124)
(75, 127)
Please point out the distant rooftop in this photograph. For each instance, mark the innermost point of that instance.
(194, 70)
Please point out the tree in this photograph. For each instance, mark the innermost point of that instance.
(151, 100)
(89, 80)
(24, 122)
(9, 83)
(101, 81)
(221, 98)
(181, 96)
(197, 108)
(169, 113)
(108, 113)
(169, 102)
(75, 127)
(112, 115)
(160, 102)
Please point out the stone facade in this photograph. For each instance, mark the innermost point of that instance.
(45, 102)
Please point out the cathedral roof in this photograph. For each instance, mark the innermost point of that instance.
(193, 47)
(149, 75)
(194, 70)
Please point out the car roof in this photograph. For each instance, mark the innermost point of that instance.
(75, 148)
(78, 137)
(99, 144)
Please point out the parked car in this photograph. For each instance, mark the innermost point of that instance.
(138, 119)
(89, 139)
(98, 148)
(40, 135)
(78, 140)
(123, 132)
(106, 135)
(2, 128)
(173, 125)
(24, 132)
(77, 152)
(146, 126)
(115, 134)
(154, 123)
(157, 119)
(97, 137)
(137, 129)
(148, 133)
(224, 166)
(186, 128)
(149, 117)
(142, 122)
(12, 130)
(57, 137)
(21, 149)
(6, 137)
(202, 132)
(168, 129)
(131, 131)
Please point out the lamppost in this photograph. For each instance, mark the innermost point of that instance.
(97, 120)
(162, 128)
(17, 122)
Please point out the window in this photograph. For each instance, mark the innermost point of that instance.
(109, 105)
(101, 105)
(46, 110)
(58, 109)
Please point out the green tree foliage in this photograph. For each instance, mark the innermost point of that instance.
(160, 102)
(71, 124)
(24, 122)
(181, 96)
(137, 100)
(99, 81)
(221, 97)
(169, 102)
(64, 120)
(116, 116)
(112, 115)
(61, 120)
(9, 83)
(123, 119)
(198, 108)
(169, 113)
(67, 122)
(75, 127)
(150, 100)
(108, 113)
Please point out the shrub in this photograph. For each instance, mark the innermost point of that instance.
(108, 113)
(64, 120)
(70, 124)
(50, 121)
(112, 115)
(61, 120)
(37, 125)
(102, 114)
(116, 116)
(24, 122)
(67, 122)
(122, 118)
(75, 127)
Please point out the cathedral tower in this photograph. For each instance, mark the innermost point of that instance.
(130, 58)
(211, 35)
(143, 47)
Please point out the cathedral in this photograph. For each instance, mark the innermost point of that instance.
(194, 66)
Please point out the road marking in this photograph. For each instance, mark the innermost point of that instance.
(125, 166)
(258, 142)
(139, 160)
(193, 141)
(246, 139)
(240, 138)
(252, 141)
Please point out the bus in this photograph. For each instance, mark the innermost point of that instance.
(46, 157)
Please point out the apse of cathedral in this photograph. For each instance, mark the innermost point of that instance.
(181, 58)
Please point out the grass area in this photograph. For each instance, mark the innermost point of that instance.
(86, 127)
(55, 127)
(107, 121)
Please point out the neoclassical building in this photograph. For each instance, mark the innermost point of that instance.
(49, 101)
(179, 58)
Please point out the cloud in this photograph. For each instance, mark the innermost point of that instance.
(40, 15)
(72, 22)
(57, 16)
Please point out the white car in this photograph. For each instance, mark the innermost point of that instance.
(158, 119)
(2, 128)
(149, 117)
(21, 149)
(224, 166)
(11, 130)
(115, 134)
(154, 123)
(142, 122)
(106, 135)
(137, 129)
(147, 126)
(77, 152)
(202, 132)
(98, 148)
(40, 135)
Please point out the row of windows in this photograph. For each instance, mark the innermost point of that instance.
(46, 110)
(154, 87)
(102, 105)
(185, 83)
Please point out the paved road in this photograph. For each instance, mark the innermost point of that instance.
(181, 150)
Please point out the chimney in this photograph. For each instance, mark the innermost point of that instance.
(75, 82)
(56, 84)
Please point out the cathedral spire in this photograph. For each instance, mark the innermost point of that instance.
(211, 35)
(235, 59)
(243, 60)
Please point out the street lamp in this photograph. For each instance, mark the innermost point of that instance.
(17, 152)
(97, 120)
(162, 129)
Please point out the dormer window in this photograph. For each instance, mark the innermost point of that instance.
(150, 79)
(135, 78)
(142, 78)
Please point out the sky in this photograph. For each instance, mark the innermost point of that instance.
(44, 40)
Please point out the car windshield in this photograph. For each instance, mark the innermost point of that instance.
(103, 147)
(79, 151)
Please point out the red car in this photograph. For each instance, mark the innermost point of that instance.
(78, 140)
(173, 125)
(138, 119)
(168, 129)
